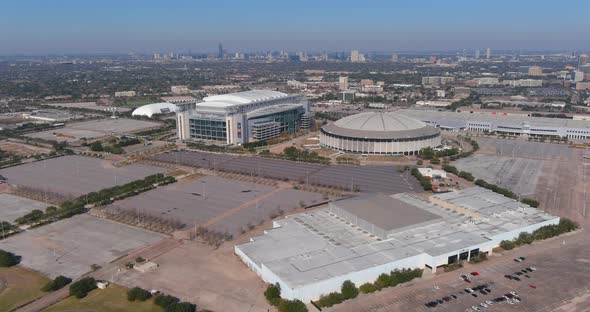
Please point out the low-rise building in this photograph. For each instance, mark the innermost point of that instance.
(312, 253)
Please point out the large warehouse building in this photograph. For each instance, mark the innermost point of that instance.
(508, 124)
(379, 133)
(241, 117)
(357, 239)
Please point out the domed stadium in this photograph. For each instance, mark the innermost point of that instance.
(382, 133)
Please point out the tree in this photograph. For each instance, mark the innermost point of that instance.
(138, 294)
(82, 287)
(181, 307)
(367, 288)
(507, 244)
(8, 259)
(96, 147)
(531, 202)
(273, 294)
(164, 300)
(382, 281)
(349, 290)
(57, 283)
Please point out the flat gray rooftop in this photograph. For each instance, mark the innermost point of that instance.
(314, 245)
(386, 212)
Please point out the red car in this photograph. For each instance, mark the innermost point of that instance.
(475, 273)
(533, 286)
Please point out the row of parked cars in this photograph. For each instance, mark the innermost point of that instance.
(510, 298)
(482, 289)
(518, 275)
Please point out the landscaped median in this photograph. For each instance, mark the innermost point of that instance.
(103, 197)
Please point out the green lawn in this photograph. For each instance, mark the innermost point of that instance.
(112, 299)
(19, 286)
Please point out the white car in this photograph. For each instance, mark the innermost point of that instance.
(516, 300)
(533, 268)
(509, 301)
(483, 305)
(488, 302)
(513, 293)
(475, 308)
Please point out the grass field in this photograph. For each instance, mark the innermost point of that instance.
(112, 299)
(19, 286)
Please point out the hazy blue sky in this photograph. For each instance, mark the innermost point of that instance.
(105, 26)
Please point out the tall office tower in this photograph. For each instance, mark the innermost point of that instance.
(488, 53)
(582, 59)
(477, 54)
(355, 56)
(220, 51)
(343, 83)
(394, 57)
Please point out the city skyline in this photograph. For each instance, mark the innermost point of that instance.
(36, 27)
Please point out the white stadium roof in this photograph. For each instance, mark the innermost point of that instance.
(153, 109)
(246, 97)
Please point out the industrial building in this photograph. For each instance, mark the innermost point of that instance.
(311, 253)
(387, 133)
(507, 124)
(241, 117)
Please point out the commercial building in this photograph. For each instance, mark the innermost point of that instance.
(310, 254)
(379, 133)
(356, 56)
(125, 94)
(523, 83)
(535, 71)
(488, 53)
(343, 83)
(241, 117)
(437, 80)
(180, 90)
(516, 125)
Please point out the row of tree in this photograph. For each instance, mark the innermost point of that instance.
(348, 290)
(391, 280)
(169, 303)
(424, 181)
(544, 232)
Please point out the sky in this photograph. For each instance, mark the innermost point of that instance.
(146, 26)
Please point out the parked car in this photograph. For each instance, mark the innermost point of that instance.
(516, 278)
(533, 268)
(475, 273)
(517, 260)
(508, 276)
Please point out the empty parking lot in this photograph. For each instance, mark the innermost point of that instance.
(68, 247)
(364, 178)
(13, 207)
(75, 175)
(222, 204)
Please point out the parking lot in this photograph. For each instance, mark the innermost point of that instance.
(555, 174)
(94, 129)
(222, 204)
(68, 247)
(13, 207)
(365, 178)
(561, 278)
(75, 175)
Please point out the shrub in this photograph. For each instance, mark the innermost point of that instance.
(138, 294)
(435, 161)
(507, 244)
(82, 287)
(382, 281)
(8, 259)
(451, 169)
(349, 290)
(531, 202)
(139, 260)
(420, 162)
(57, 283)
(330, 299)
(466, 175)
(165, 301)
(96, 147)
(367, 288)
(292, 306)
